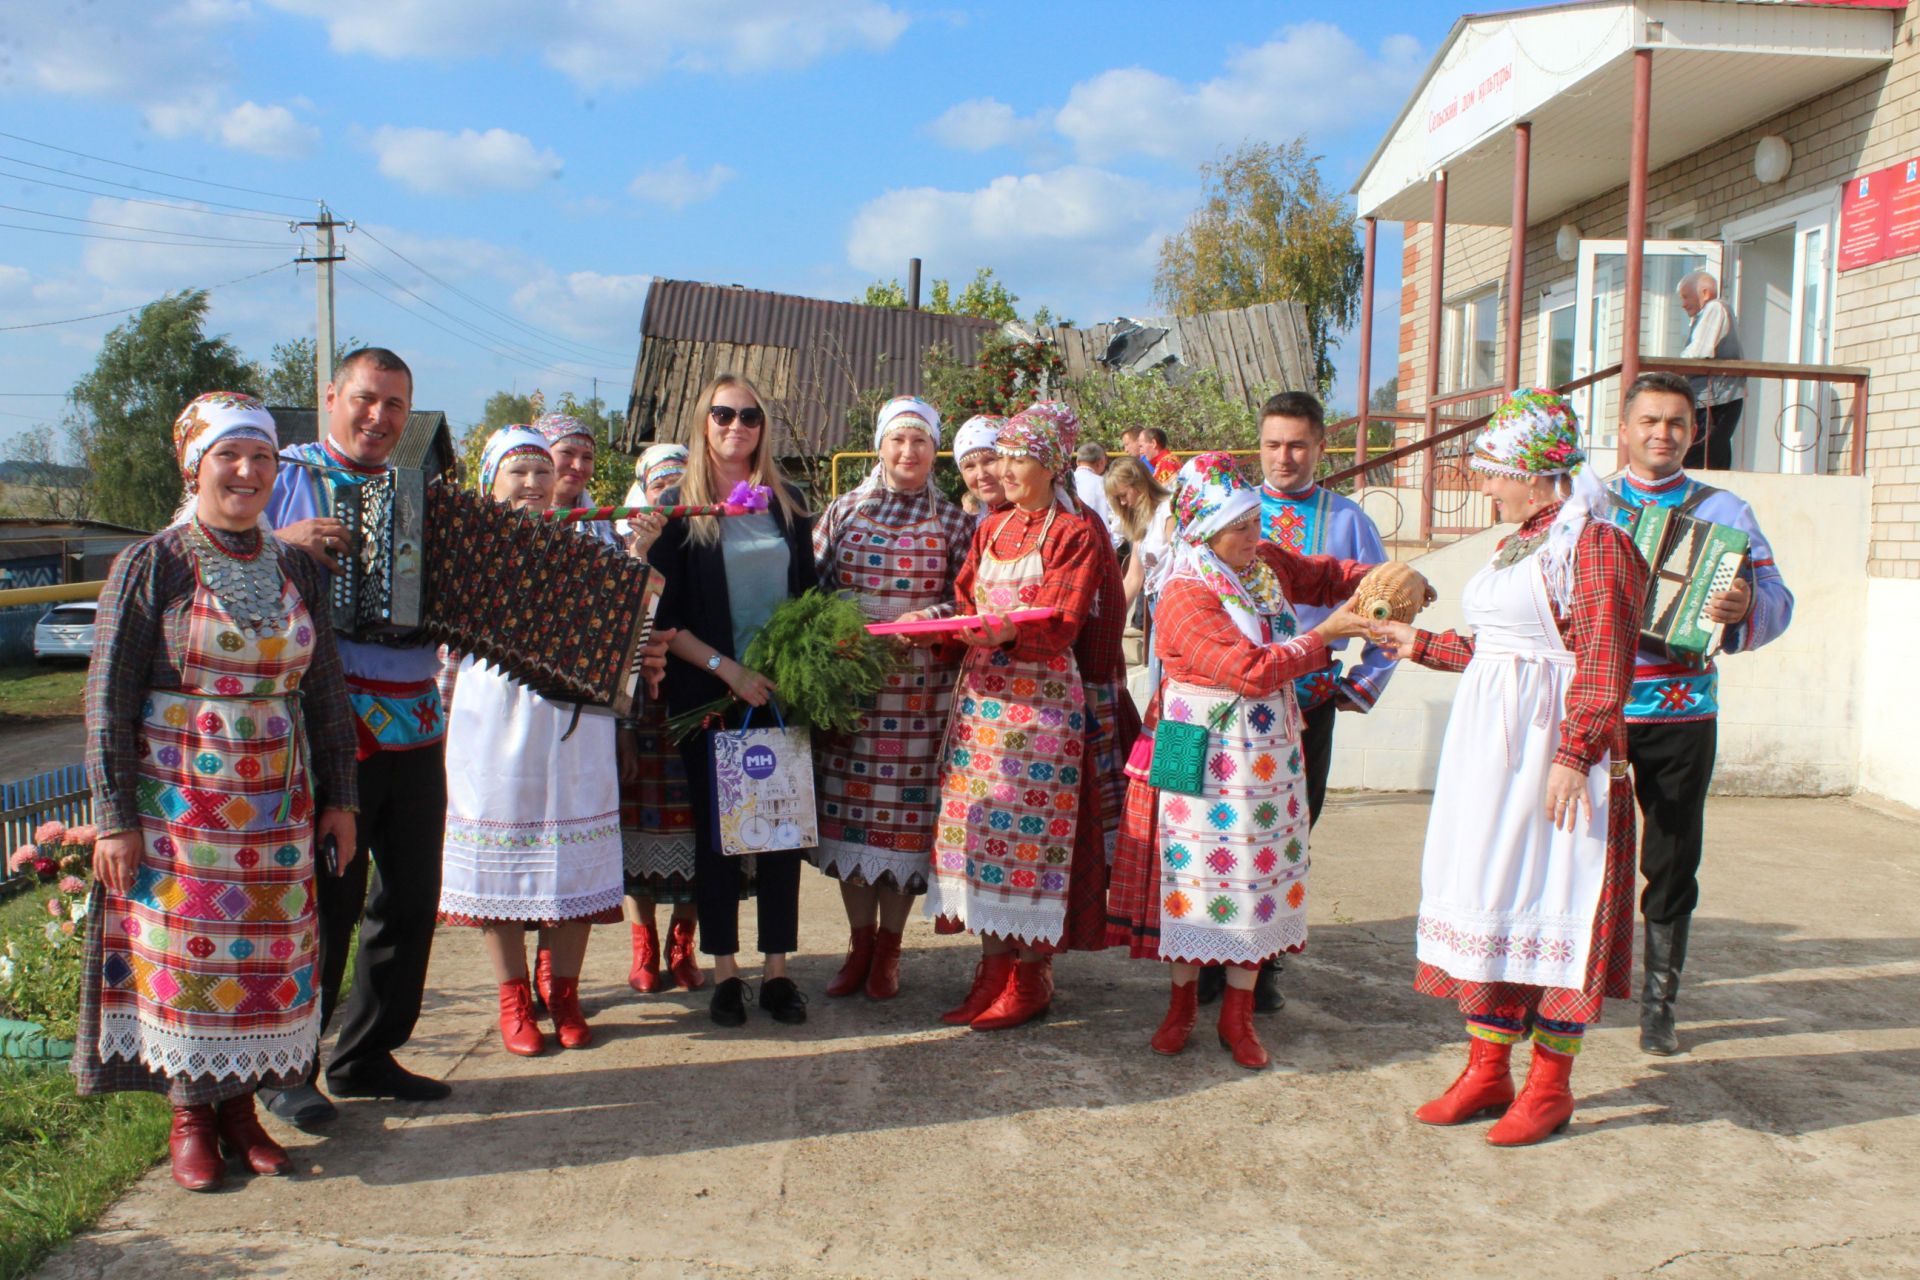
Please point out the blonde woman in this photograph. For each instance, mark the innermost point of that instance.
(724, 577)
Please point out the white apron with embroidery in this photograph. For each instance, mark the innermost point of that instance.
(1233, 860)
(533, 814)
(1504, 895)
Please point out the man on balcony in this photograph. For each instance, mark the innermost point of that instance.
(1671, 711)
(1714, 335)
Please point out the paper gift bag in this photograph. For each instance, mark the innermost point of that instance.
(763, 789)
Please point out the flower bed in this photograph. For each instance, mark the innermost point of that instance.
(40, 952)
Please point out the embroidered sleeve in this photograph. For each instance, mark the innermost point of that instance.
(1071, 584)
(1772, 609)
(1321, 580)
(1199, 644)
(1367, 680)
(1602, 626)
(126, 637)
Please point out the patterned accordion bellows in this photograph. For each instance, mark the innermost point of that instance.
(1391, 592)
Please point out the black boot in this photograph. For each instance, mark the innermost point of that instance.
(1212, 981)
(1663, 956)
(1267, 996)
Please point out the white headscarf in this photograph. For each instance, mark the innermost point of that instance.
(898, 414)
(658, 459)
(505, 441)
(981, 431)
(1209, 494)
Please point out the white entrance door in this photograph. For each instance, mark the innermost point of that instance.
(1599, 320)
(1781, 265)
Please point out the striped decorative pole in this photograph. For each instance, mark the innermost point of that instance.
(567, 515)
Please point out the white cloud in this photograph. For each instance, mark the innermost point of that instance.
(442, 163)
(598, 43)
(981, 124)
(1079, 238)
(585, 305)
(270, 130)
(1311, 78)
(676, 185)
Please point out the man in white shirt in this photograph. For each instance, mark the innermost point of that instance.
(1090, 465)
(1715, 335)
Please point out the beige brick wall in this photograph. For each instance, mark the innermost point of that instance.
(1866, 125)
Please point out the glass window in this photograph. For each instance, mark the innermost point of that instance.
(1469, 342)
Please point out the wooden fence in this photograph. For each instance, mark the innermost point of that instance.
(59, 793)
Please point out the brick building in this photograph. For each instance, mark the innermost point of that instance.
(1773, 144)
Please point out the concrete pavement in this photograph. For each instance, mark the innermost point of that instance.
(874, 1142)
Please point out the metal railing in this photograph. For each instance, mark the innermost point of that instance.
(1450, 504)
(1248, 460)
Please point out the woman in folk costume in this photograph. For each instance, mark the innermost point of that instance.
(217, 727)
(895, 544)
(1220, 877)
(656, 825)
(1526, 907)
(976, 452)
(533, 804)
(1019, 854)
(571, 441)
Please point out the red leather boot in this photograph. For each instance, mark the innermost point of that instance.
(1236, 1028)
(1545, 1103)
(569, 1024)
(241, 1135)
(853, 972)
(990, 977)
(1485, 1086)
(193, 1145)
(681, 960)
(1029, 995)
(518, 1031)
(883, 979)
(1182, 1012)
(645, 976)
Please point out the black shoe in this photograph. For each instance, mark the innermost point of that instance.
(784, 1000)
(728, 1007)
(388, 1080)
(303, 1106)
(1663, 956)
(1267, 996)
(1212, 981)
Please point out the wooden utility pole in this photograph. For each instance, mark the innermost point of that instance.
(323, 257)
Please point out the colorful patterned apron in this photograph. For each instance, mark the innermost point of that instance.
(1010, 779)
(877, 786)
(1233, 860)
(207, 966)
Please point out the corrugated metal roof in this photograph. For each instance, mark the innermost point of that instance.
(810, 356)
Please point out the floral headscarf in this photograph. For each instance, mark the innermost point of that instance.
(1209, 494)
(981, 431)
(1536, 433)
(215, 416)
(506, 443)
(1047, 432)
(555, 427)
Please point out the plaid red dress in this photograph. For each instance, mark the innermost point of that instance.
(1600, 626)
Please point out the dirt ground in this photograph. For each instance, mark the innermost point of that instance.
(874, 1142)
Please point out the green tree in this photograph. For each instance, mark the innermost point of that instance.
(147, 371)
(612, 471)
(984, 297)
(44, 476)
(286, 376)
(1386, 396)
(1193, 408)
(1269, 230)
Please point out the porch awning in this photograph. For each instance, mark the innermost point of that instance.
(1719, 66)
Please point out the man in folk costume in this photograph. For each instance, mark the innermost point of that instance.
(1310, 519)
(402, 769)
(1671, 715)
(1526, 906)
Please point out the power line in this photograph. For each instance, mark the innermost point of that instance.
(87, 177)
(185, 203)
(47, 324)
(177, 177)
(129, 226)
(459, 292)
(177, 244)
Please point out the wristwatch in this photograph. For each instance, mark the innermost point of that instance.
(713, 663)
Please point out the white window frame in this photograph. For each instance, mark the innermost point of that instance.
(1456, 337)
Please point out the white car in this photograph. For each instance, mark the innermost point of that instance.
(66, 632)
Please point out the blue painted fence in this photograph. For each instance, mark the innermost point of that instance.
(59, 793)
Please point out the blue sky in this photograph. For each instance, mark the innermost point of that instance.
(525, 166)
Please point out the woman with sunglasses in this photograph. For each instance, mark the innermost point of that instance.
(724, 578)
(1217, 875)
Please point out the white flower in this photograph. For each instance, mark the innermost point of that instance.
(78, 911)
(53, 931)
(6, 969)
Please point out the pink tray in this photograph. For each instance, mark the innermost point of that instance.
(947, 626)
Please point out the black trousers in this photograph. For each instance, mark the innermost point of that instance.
(1712, 445)
(392, 891)
(716, 877)
(1672, 766)
(1316, 744)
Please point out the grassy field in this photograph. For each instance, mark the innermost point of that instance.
(36, 692)
(64, 1158)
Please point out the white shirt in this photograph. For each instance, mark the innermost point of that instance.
(1093, 491)
(1155, 549)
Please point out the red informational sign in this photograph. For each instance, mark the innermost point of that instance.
(1880, 215)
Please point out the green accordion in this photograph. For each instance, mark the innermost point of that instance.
(1692, 561)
